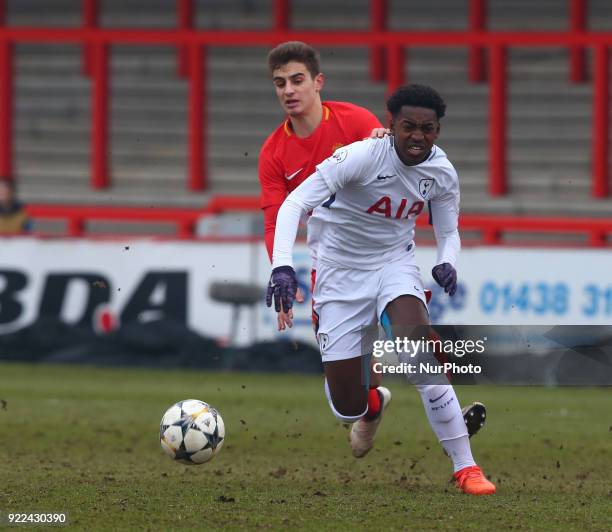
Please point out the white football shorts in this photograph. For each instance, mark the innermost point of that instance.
(346, 301)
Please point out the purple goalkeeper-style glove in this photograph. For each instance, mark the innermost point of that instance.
(283, 286)
(446, 276)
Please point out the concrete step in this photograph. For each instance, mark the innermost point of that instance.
(166, 130)
(267, 117)
(153, 59)
(540, 205)
(517, 14)
(569, 170)
(172, 89)
(254, 56)
(80, 171)
(149, 177)
(460, 151)
(118, 195)
(32, 110)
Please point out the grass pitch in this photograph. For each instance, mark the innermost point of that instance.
(85, 441)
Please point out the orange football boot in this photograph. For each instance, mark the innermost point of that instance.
(471, 480)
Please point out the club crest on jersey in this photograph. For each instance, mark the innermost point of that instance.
(323, 340)
(425, 186)
(340, 155)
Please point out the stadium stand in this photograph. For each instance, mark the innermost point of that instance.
(549, 117)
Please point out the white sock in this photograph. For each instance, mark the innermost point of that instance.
(443, 410)
(444, 413)
(446, 420)
(459, 451)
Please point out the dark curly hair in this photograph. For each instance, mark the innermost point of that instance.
(416, 95)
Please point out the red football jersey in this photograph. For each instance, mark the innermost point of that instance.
(286, 160)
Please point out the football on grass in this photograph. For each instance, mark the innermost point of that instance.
(191, 432)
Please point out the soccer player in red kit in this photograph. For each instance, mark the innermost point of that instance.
(312, 131)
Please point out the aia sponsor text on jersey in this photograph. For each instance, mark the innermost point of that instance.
(386, 207)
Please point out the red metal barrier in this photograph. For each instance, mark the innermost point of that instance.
(185, 17)
(442, 39)
(221, 204)
(6, 101)
(601, 122)
(578, 16)
(100, 117)
(6, 109)
(492, 228)
(77, 216)
(90, 10)
(476, 54)
(395, 42)
(478, 21)
(197, 131)
(378, 22)
(396, 67)
(497, 120)
(281, 15)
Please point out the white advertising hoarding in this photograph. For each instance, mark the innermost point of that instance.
(75, 279)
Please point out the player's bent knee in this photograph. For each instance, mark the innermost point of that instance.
(345, 413)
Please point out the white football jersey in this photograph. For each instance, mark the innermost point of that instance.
(370, 217)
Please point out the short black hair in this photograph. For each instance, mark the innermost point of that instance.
(297, 51)
(416, 95)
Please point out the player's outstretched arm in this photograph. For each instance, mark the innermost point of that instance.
(282, 287)
(270, 214)
(445, 218)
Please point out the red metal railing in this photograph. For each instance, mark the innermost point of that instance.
(281, 15)
(578, 18)
(186, 21)
(96, 41)
(6, 101)
(100, 117)
(477, 21)
(477, 54)
(497, 120)
(378, 22)
(77, 216)
(600, 140)
(6, 108)
(89, 15)
(492, 229)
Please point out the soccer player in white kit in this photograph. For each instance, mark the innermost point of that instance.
(368, 195)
